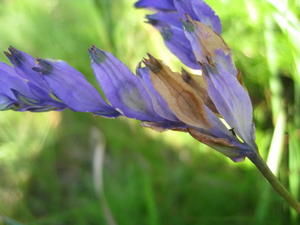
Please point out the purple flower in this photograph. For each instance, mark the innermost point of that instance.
(209, 103)
(133, 96)
(165, 5)
(71, 87)
(191, 31)
(43, 85)
(163, 99)
(214, 108)
(23, 89)
(170, 23)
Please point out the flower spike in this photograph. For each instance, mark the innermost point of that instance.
(214, 108)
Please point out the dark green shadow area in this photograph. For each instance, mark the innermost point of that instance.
(145, 181)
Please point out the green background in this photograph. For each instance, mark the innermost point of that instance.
(149, 178)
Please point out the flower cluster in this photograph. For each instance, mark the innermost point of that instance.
(214, 108)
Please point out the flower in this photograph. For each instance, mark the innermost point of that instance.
(191, 30)
(22, 89)
(160, 5)
(71, 88)
(169, 21)
(214, 108)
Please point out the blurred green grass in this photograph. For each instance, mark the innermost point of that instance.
(149, 178)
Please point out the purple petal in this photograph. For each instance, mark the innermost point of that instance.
(23, 63)
(25, 103)
(122, 88)
(225, 64)
(156, 4)
(230, 98)
(179, 45)
(37, 108)
(71, 87)
(217, 128)
(160, 106)
(168, 18)
(197, 48)
(200, 11)
(6, 102)
(169, 23)
(204, 41)
(16, 93)
(10, 81)
(220, 138)
(175, 39)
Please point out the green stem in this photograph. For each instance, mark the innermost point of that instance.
(275, 183)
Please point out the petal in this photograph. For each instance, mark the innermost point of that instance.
(220, 138)
(156, 4)
(181, 98)
(231, 99)
(23, 63)
(167, 18)
(20, 92)
(36, 108)
(71, 87)
(204, 41)
(164, 126)
(160, 106)
(237, 151)
(9, 80)
(169, 23)
(198, 84)
(122, 88)
(6, 102)
(225, 64)
(25, 103)
(200, 11)
(7, 69)
(175, 39)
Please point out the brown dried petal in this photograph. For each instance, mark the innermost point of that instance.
(219, 144)
(209, 140)
(159, 128)
(209, 40)
(182, 99)
(240, 78)
(199, 85)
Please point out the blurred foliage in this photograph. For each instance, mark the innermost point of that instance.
(149, 178)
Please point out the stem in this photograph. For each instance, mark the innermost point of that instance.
(275, 183)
